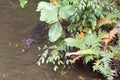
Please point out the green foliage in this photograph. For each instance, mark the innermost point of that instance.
(88, 41)
(48, 12)
(55, 32)
(54, 58)
(116, 50)
(103, 65)
(66, 11)
(113, 15)
(22, 3)
(80, 16)
(42, 58)
(88, 58)
(75, 43)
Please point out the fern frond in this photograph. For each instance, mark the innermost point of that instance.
(103, 65)
(113, 15)
(88, 58)
(105, 21)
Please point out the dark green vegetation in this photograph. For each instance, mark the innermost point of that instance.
(82, 29)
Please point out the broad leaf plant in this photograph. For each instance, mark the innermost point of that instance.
(85, 29)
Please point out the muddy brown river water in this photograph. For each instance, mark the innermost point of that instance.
(15, 25)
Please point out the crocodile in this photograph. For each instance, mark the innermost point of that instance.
(35, 35)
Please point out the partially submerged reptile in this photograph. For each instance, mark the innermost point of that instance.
(35, 35)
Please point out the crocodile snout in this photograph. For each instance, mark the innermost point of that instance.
(28, 42)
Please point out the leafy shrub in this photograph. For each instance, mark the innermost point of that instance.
(81, 28)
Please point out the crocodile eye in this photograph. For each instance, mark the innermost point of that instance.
(29, 42)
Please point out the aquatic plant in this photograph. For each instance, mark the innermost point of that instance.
(81, 29)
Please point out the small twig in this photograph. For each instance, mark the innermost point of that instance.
(75, 59)
(74, 53)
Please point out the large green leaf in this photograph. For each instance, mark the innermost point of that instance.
(49, 16)
(23, 2)
(55, 32)
(71, 42)
(66, 11)
(45, 5)
(48, 12)
(65, 2)
(75, 43)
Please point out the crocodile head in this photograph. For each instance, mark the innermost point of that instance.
(28, 42)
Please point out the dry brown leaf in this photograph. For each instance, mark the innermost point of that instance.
(64, 72)
(109, 37)
(81, 78)
(82, 35)
(113, 31)
(54, 1)
(105, 21)
(106, 38)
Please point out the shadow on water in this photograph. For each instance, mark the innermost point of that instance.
(15, 25)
